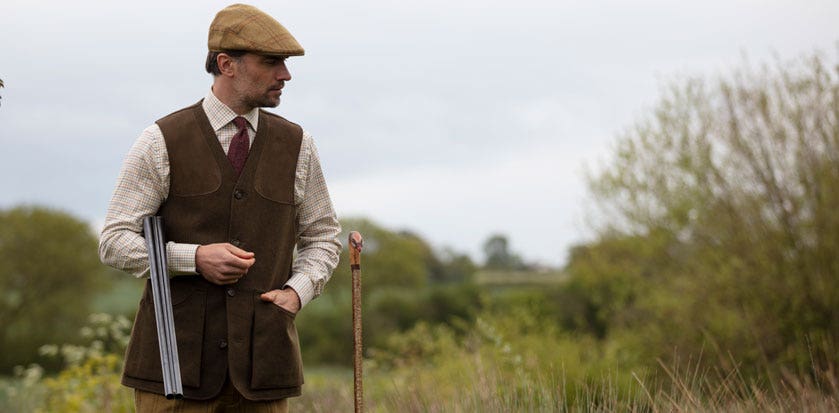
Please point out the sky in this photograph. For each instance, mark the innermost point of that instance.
(455, 120)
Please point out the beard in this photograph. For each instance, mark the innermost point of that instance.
(257, 98)
(255, 95)
(263, 101)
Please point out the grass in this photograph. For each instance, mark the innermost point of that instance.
(508, 362)
(331, 390)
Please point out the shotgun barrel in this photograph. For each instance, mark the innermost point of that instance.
(162, 297)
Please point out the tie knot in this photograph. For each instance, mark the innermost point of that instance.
(240, 122)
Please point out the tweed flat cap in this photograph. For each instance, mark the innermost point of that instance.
(244, 27)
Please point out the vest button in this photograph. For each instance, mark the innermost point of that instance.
(238, 194)
(222, 344)
(231, 292)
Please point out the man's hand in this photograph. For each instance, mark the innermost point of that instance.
(222, 264)
(286, 298)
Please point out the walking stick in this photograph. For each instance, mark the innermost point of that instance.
(355, 244)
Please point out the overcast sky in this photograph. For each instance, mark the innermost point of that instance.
(454, 119)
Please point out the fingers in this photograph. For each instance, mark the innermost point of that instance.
(233, 264)
(221, 278)
(236, 258)
(223, 264)
(224, 257)
(239, 252)
(225, 280)
(269, 296)
(287, 299)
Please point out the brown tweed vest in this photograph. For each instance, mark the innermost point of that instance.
(226, 330)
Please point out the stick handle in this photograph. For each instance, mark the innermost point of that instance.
(355, 244)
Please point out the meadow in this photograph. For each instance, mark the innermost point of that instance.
(508, 358)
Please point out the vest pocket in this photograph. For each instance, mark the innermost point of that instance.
(142, 359)
(275, 193)
(276, 350)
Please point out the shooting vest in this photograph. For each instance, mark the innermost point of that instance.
(225, 330)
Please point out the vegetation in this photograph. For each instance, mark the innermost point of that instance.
(723, 230)
(711, 285)
(49, 273)
(504, 365)
(499, 256)
(90, 381)
(410, 283)
(502, 362)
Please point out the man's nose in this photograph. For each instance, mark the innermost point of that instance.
(283, 73)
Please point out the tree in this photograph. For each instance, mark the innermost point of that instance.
(49, 270)
(395, 272)
(450, 266)
(741, 177)
(404, 281)
(400, 258)
(499, 256)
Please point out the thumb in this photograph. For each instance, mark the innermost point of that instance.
(269, 296)
(240, 252)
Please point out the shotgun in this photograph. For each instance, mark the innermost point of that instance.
(162, 297)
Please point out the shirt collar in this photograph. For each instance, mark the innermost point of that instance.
(220, 115)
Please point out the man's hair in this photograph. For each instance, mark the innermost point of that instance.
(212, 60)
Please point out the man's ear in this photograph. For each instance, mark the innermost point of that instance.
(225, 64)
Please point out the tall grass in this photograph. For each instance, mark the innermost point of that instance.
(506, 363)
(504, 366)
(491, 391)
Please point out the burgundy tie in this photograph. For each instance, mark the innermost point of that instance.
(238, 152)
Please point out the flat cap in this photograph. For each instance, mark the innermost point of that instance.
(244, 27)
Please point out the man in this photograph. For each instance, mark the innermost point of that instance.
(237, 187)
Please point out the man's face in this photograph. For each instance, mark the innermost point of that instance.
(258, 80)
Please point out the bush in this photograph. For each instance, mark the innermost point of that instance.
(49, 271)
(721, 232)
(90, 380)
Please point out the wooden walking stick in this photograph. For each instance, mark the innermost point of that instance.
(355, 244)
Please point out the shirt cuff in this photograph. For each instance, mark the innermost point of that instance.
(181, 258)
(303, 286)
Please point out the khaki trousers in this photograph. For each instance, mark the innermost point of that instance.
(229, 400)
